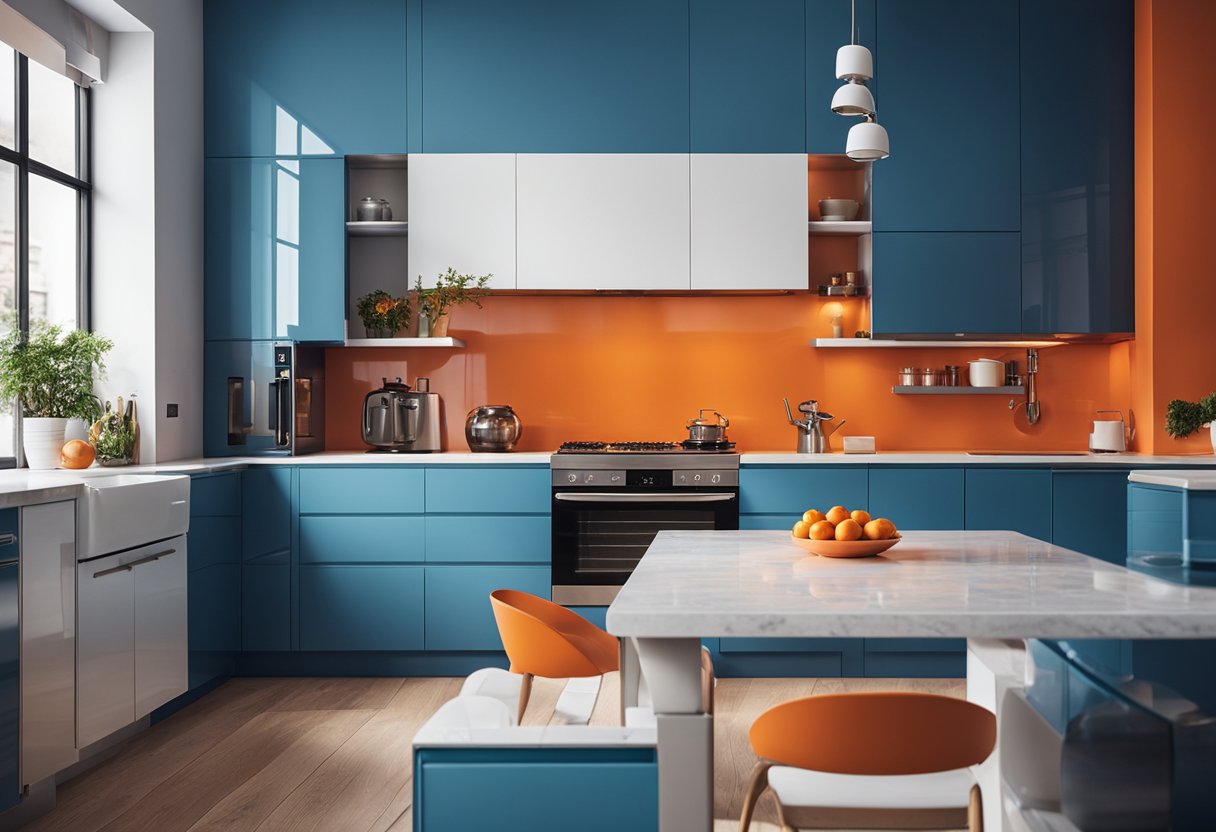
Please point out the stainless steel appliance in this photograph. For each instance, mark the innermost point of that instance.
(703, 431)
(397, 419)
(812, 438)
(611, 499)
(492, 427)
(274, 394)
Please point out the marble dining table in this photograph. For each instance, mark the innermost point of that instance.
(984, 586)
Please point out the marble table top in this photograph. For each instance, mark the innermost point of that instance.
(982, 584)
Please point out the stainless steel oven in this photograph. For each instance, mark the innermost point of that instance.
(608, 508)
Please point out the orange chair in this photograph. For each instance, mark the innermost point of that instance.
(547, 640)
(899, 735)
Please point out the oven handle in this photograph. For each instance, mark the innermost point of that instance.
(642, 498)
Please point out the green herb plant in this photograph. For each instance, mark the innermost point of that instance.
(50, 373)
(451, 290)
(113, 435)
(380, 310)
(1183, 418)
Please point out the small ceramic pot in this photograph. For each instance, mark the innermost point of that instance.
(439, 326)
(42, 438)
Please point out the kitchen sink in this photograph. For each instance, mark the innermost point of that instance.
(120, 511)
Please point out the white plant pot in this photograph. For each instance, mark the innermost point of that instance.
(42, 439)
(1212, 428)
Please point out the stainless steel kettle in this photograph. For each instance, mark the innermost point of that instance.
(492, 427)
(392, 416)
(812, 438)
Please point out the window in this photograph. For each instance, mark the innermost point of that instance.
(44, 205)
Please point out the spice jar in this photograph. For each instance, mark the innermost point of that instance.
(953, 376)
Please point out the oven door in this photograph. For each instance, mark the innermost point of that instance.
(599, 537)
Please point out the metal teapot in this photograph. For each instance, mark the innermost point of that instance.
(812, 438)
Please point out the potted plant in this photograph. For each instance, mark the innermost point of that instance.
(115, 435)
(384, 315)
(450, 290)
(1183, 418)
(50, 376)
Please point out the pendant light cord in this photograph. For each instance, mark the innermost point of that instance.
(853, 23)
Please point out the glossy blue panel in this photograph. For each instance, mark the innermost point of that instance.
(214, 540)
(266, 607)
(794, 489)
(214, 608)
(1089, 511)
(370, 490)
(1199, 519)
(489, 539)
(216, 495)
(1017, 500)
(596, 615)
(285, 77)
(827, 29)
(266, 500)
(549, 76)
(748, 65)
(921, 658)
(326, 539)
(275, 249)
(918, 498)
(10, 523)
(361, 608)
(786, 645)
(1154, 520)
(946, 283)
(10, 686)
(782, 522)
(462, 490)
(949, 73)
(1078, 178)
(536, 789)
(458, 614)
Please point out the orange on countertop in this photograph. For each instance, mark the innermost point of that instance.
(823, 530)
(880, 529)
(848, 530)
(838, 514)
(802, 529)
(76, 454)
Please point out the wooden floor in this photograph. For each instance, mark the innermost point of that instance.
(334, 754)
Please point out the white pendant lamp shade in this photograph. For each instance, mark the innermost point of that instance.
(853, 100)
(854, 63)
(867, 141)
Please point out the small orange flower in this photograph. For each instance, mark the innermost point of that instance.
(384, 306)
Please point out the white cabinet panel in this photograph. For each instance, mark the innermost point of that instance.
(462, 214)
(105, 652)
(749, 221)
(602, 221)
(161, 642)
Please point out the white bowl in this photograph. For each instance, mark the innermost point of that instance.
(986, 372)
(838, 210)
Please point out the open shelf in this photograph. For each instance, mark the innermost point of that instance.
(432, 343)
(942, 390)
(876, 343)
(378, 228)
(840, 228)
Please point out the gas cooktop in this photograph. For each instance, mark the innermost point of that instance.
(646, 448)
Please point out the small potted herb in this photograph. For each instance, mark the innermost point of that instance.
(383, 315)
(1183, 418)
(115, 435)
(450, 290)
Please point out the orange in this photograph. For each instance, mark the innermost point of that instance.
(814, 516)
(802, 529)
(76, 454)
(848, 530)
(862, 517)
(823, 530)
(838, 514)
(880, 529)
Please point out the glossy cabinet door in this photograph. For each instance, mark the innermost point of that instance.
(1013, 499)
(161, 627)
(266, 504)
(452, 489)
(946, 283)
(790, 490)
(462, 215)
(302, 77)
(747, 85)
(375, 489)
(749, 215)
(549, 76)
(949, 100)
(274, 249)
(361, 608)
(105, 645)
(458, 613)
(1078, 177)
(827, 29)
(918, 498)
(265, 607)
(1090, 513)
(604, 221)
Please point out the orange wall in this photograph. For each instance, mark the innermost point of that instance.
(639, 367)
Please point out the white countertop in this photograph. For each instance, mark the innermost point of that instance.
(1188, 480)
(991, 584)
(963, 458)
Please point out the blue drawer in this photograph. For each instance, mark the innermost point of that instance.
(1013, 499)
(785, 645)
(266, 607)
(489, 539)
(458, 614)
(216, 495)
(464, 490)
(794, 489)
(361, 608)
(214, 608)
(10, 521)
(918, 498)
(370, 490)
(212, 541)
(361, 539)
(1147, 498)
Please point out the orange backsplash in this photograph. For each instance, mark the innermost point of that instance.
(581, 367)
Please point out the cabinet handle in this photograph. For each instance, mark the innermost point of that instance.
(7, 539)
(127, 567)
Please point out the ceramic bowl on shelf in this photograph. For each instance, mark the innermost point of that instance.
(838, 210)
(846, 548)
(986, 372)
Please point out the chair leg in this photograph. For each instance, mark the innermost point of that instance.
(759, 782)
(525, 693)
(975, 810)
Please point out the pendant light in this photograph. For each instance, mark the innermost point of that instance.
(855, 66)
(867, 141)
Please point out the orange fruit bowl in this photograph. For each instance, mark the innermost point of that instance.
(846, 548)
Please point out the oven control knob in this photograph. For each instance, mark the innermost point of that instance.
(573, 478)
(590, 478)
(616, 477)
(696, 477)
(716, 478)
(681, 478)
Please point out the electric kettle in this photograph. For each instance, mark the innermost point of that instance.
(392, 417)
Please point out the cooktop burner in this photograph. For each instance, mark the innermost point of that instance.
(644, 447)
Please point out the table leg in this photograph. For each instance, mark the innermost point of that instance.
(993, 667)
(630, 676)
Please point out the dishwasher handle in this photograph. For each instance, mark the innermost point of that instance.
(127, 567)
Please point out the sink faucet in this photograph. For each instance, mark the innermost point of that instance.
(1033, 409)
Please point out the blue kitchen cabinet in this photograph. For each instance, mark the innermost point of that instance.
(213, 554)
(747, 86)
(1078, 177)
(946, 283)
(216, 495)
(1089, 512)
(1013, 499)
(265, 607)
(213, 540)
(458, 613)
(274, 242)
(361, 539)
(828, 24)
(548, 76)
(788, 657)
(266, 512)
(488, 539)
(949, 74)
(368, 490)
(496, 490)
(361, 607)
(918, 498)
(304, 77)
(1155, 524)
(792, 489)
(919, 658)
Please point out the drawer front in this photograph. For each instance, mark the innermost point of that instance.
(379, 490)
(794, 489)
(784, 645)
(1014, 499)
(216, 495)
(9, 525)
(458, 614)
(489, 539)
(460, 490)
(213, 541)
(266, 511)
(361, 539)
(768, 522)
(1145, 498)
(361, 608)
(918, 498)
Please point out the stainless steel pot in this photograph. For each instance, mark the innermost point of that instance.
(492, 427)
(707, 431)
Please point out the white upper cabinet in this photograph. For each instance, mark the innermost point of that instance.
(749, 221)
(603, 221)
(462, 214)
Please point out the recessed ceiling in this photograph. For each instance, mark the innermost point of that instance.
(109, 15)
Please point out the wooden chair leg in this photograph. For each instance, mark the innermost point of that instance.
(525, 693)
(759, 782)
(975, 810)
